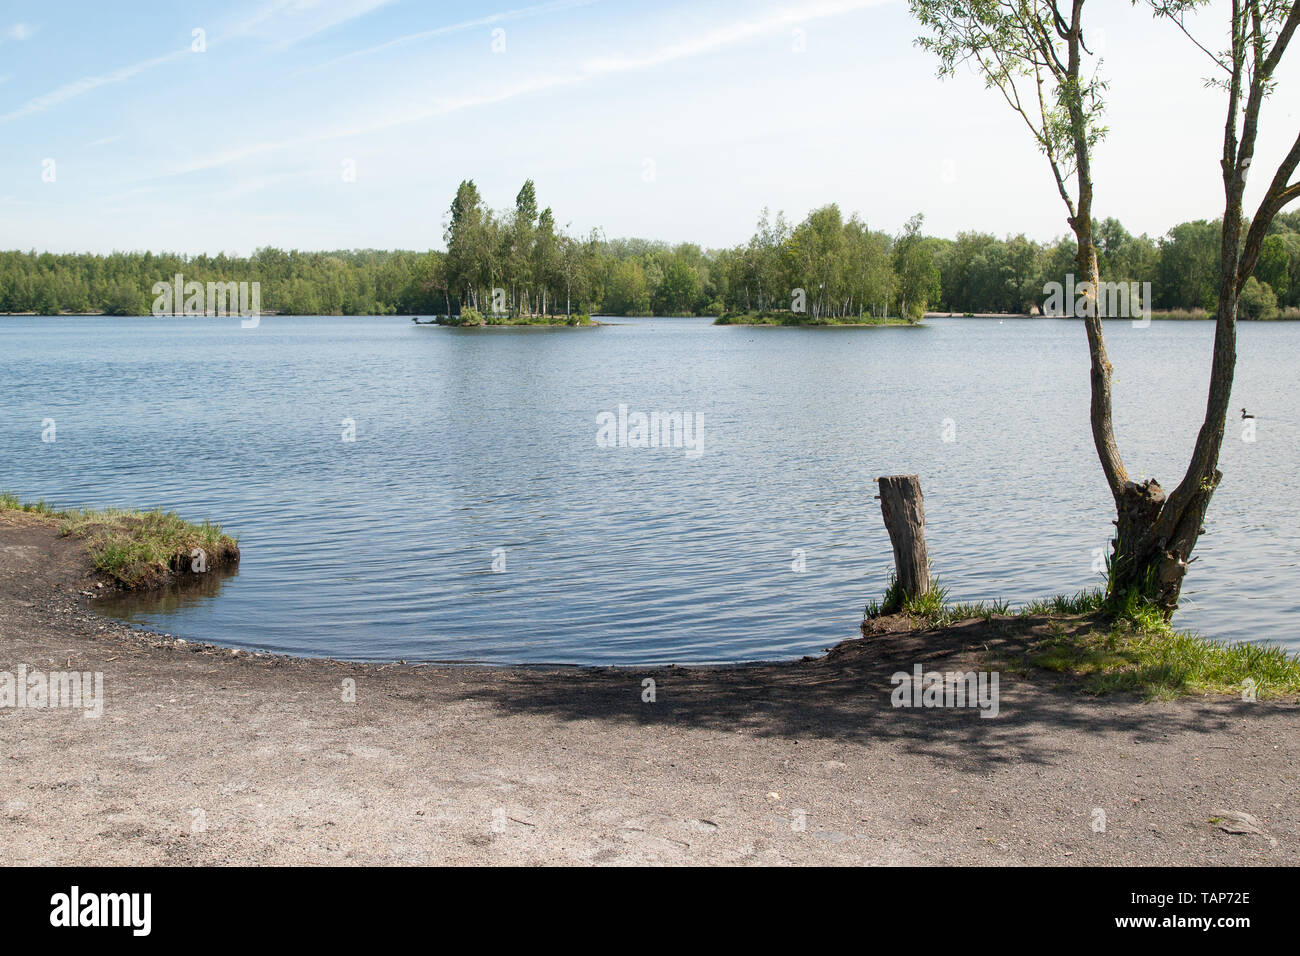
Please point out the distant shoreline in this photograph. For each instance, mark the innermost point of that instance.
(1158, 316)
(1169, 315)
(150, 315)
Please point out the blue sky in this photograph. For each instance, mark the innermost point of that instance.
(732, 105)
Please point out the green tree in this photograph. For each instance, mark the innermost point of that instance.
(627, 292)
(1188, 266)
(1257, 300)
(1274, 266)
(545, 264)
(126, 298)
(678, 289)
(918, 277)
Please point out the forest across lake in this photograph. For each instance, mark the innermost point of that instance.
(519, 261)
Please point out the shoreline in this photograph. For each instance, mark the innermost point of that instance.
(821, 325)
(788, 320)
(1155, 317)
(207, 755)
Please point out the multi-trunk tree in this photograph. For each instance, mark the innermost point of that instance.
(1035, 54)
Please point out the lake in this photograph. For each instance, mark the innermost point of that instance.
(476, 516)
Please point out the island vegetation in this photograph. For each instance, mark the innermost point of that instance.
(469, 317)
(802, 319)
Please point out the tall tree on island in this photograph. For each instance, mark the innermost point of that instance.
(1033, 52)
(545, 258)
(469, 244)
(520, 237)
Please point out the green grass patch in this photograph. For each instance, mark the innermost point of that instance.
(1162, 663)
(139, 548)
(9, 502)
(1114, 644)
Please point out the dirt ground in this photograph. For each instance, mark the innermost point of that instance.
(207, 756)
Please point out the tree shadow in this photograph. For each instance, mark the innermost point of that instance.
(846, 696)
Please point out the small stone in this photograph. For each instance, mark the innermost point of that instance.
(1234, 821)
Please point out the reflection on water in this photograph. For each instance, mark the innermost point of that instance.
(146, 606)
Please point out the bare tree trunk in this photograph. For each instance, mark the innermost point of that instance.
(904, 513)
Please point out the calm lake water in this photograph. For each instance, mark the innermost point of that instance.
(470, 441)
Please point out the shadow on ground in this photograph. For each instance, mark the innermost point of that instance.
(847, 694)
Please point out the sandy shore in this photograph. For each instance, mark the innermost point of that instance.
(207, 756)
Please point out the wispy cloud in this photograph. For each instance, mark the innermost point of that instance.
(76, 88)
(247, 187)
(291, 21)
(20, 31)
(299, 20)
(506, 15)
(729, 35)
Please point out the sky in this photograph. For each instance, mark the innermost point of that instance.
(331, 124)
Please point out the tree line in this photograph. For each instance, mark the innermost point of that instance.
(520, 261)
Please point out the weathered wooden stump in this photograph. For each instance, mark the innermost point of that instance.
(904, 513)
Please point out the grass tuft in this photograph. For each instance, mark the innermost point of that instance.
(1083, 602)
(932, 608)
(11, 502)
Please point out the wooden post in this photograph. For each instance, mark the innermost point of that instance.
(904, 513)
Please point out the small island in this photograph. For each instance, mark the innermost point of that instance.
(472, 318)
(803, 319)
